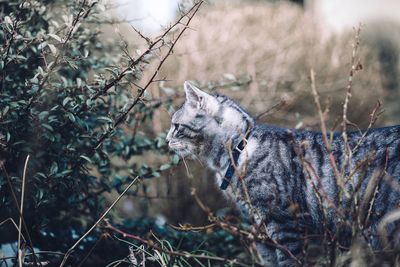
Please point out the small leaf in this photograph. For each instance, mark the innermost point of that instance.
(5, 110)
(175, 159)
(41, 71)
(41, 174)
(50, 65)
(71, 117)
(168, 91)
(42, 45)
(8, 20)
(47, 126)
(165, 167)
(53, 49)
(229, 76)
(104, 119)
(54, 168)
(86, 158)
(66, 100)
(43, 115)
(56, 37)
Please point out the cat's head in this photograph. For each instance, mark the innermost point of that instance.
(204, 119)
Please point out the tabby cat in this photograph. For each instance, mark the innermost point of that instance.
(284, 178)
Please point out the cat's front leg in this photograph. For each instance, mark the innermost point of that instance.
(288, 238)
(268, 254)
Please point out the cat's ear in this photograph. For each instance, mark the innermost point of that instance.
(199, 99)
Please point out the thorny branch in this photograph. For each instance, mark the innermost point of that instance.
(109, 85)
(321, 115)
(190, 14)
(82, 13)
(154, 246)
(71, 249)
(237, 231)
(122, 117)
(372, 119)
(152, 46)
(354, 67)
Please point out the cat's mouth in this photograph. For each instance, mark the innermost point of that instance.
(179, 148)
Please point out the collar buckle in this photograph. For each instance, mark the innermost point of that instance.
(235, 157)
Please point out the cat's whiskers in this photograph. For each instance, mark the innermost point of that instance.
(186, 166)
(198, 159)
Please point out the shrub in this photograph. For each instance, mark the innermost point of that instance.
(70, 99)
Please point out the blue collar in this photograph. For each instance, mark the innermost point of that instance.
(235, 156)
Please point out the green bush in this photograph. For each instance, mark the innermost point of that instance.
(66, 101)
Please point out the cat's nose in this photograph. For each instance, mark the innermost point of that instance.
(169, 136)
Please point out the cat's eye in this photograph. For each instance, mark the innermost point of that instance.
(176, 128)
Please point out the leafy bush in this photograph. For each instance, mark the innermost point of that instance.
(70, 99)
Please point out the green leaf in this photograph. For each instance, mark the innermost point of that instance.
(8, 20)
(104, 119)
(165, 167)
(42, 45)
(53, 49)
(66, 100)
(175, 159)
(55, 37)
(47, 126)
(71, 117)
(86, 158)
(54, 168)
(43, 115)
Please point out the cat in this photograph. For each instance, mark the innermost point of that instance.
(284, 178)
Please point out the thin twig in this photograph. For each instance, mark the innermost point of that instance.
(81, 14)
(91, 250)
(97, 222)
(373, 117)
(323, 126)
(345, 120)
(160, 39)
(151, 244)
(275, 107)
(237, 231)
(21, 211)
(121, 118)
(14, 224)
(38, 253)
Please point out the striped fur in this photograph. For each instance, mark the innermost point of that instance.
(289, 177)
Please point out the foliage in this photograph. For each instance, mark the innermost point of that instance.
(65, 100)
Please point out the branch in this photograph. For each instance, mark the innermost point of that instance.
(18, 209)
(152, 245)
(345, 120)
(121, 118)
(133, 63)
(81, 14)
(97, 222)
(328, 147)
(237, 231)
